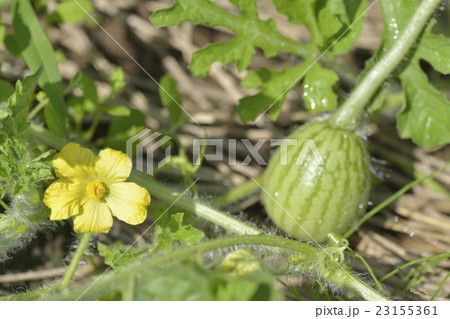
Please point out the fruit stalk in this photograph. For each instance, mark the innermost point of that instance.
(347, 116)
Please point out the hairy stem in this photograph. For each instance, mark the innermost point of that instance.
(79, 253)
(331, 270)
(347, 116)
(191, 205)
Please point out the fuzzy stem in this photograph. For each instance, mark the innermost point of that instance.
(332, 271)
(169, 195)
(350, 281)
(347, 116)
(79, 253)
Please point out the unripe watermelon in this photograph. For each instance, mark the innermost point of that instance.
(321, 196)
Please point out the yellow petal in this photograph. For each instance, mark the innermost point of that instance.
(74, 161)
(64, 198)
(112, 166)
(95, 217)
(128, 202)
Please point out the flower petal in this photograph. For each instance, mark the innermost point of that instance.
(73, 161)
(64, 198)
(95, 217)
(128, 202)
(112, 166)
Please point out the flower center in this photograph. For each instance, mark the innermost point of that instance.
(95, 190)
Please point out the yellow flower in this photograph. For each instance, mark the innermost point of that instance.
(93, 189)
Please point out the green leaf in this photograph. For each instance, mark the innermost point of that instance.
(435, 49)
(70, 11)
(188, 235)
(2, 31)
(122, 128)
(318, 91)
(117, 80)
(119, 110)
(181, 281)
(12, 46)
(426, 116)
(171, 100)
(188, 281)
(302, 12)
(90, 99)
(333, 24)
(5, 3)
(5, 111)
(15, 110)
(21, 167)
(37, 52)
(253, 286)
(250, 33)
(274, 86)
(120, 256)
(22, 98)
(6, 89)
(396, 15)
(351, 14)
(185, 234)
(184, 280)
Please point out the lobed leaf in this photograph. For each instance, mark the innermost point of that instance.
(425, 117)
(120, 256)
(183, 280)
(250, 31)
(436, 50)
(273, 86)
(318, 91)
(333, 24)
(165, 236)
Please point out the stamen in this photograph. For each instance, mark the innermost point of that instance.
(95, 190)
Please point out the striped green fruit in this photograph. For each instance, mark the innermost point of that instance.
(320, 185)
